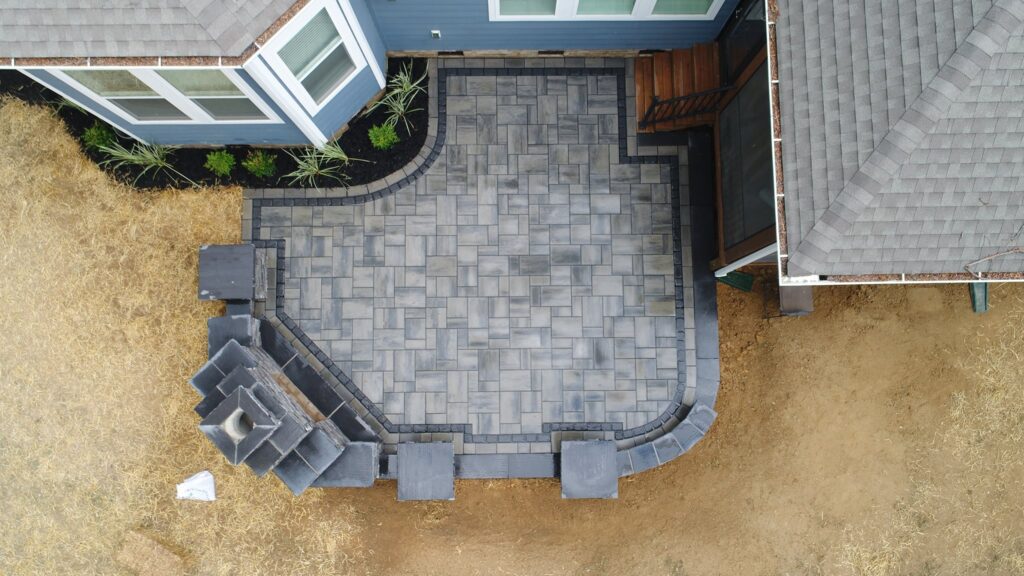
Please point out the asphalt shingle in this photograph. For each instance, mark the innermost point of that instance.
(921, 135)
(165, 28)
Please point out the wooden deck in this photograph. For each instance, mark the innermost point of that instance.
(681, 72)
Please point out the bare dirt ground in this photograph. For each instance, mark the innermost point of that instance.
(882, 435)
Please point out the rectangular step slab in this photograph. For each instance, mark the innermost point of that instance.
(357, 467)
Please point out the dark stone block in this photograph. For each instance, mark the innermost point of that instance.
(357, 467)
(319, 450)
(263, 458)
(589, 469)
(231, 356)
(227, 272)
(624, 465)
(707, 390)
(207, 404)
(207, 378)
(426, 471)
(702, 417)
(238, 308)
(531, 465)
(643, 457)
(687, 435)
(481, 465)
(238, 425)
(352, 426)
(666, 448)
(288, 435)
(239, 377)
(295, 473)
(275, 344)
(313, 386)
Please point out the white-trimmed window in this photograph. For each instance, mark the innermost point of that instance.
(171, 95)
(513, 10)
(315, 55)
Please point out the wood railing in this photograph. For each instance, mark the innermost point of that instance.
(683, 106)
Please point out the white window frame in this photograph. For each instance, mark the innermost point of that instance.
(355, 49)
(566, 10)
(164, 89)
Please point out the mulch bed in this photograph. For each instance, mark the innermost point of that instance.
(355, 141)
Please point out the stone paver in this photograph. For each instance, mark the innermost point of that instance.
(527, 279)
(525, 283)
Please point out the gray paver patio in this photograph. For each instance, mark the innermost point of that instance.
(526, 279)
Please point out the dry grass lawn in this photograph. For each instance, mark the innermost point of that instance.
(883, 435)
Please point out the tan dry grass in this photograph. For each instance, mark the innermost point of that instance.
(99, 330)
(967, 495)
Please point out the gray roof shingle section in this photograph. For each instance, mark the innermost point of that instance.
(901, 137)
(132, 28)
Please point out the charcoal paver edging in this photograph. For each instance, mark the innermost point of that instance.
(678, 408)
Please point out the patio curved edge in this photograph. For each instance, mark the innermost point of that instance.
(673, 433)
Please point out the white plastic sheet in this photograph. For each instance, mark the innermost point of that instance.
(198, 487)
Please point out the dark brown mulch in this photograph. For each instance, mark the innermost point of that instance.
(189, 162)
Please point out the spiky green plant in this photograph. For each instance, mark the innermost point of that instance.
(150, 159)
(62, 103)
(312, 166)
(398, 99)
(332, 151)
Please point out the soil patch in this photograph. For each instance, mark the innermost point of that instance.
(881, 435)
(371, 164)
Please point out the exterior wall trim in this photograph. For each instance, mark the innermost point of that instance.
(566, 10)
(345, 27)
(263, 76)
(68, 96)
(196, 115)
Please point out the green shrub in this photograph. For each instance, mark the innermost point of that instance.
(220, 162)
(383, 136)
(260, 164)
(402, 90)
(98, 136)
(149, 158)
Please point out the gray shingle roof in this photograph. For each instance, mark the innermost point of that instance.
(131, 28)
(902, 134)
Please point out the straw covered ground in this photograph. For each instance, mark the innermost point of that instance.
(99, 330)
(881, 436)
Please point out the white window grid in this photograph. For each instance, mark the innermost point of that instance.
(355, 51)
(568, 10)
(196, 114)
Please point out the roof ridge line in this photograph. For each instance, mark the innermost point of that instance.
(973, 55)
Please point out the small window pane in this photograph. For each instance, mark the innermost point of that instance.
(605, 7)
(316, 39)
(110, 83)
(149, 108)
(201, 82)
(230, 108)
(673, 7)
(527, 7)
(327, 75)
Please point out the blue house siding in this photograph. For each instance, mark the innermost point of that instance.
(365, 21)
(188, 134)
(464, 25)
(340, 109)
(347, 103)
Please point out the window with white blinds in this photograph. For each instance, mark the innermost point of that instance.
(603, 9)
(315, 54)
(185, 95)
